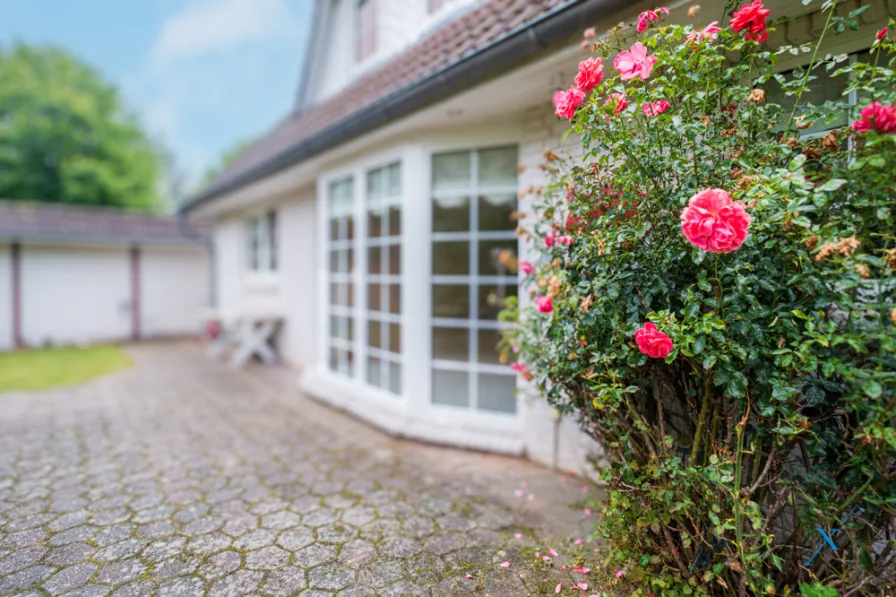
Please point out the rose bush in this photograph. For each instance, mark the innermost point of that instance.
(720, 313)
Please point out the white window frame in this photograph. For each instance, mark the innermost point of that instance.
(344, 278)
(384, 317)
(411, 414)
(472, 323)
(262, 258)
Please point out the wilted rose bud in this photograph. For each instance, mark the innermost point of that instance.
(693, 10)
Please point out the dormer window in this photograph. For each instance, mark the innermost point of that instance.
(366, 29)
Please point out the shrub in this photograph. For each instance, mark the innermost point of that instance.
(714, 296)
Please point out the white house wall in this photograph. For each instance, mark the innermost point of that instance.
(6, 339)
(290, 291)
(174, 290)
(73, 295)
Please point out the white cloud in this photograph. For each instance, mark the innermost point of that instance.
(209, 26)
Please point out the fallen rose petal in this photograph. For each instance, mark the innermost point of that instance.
(530, 497)
(587, 511)
(505, 564)
(469, 576)
(583, 586)
(553, 552)
(546, 559)
(558, 588)
(518, 536)
(519, 493)
(579, 541)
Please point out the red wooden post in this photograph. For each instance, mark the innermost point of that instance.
(16, 258)
(135, 293)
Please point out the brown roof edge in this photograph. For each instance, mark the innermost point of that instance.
(550, 28)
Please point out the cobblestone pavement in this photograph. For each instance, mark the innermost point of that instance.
(181, 478)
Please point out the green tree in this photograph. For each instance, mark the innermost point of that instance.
(65, 136)
(226, 159)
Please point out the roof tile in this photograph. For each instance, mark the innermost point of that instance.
(466, 34)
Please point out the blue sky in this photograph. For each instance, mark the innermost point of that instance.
(200, 74)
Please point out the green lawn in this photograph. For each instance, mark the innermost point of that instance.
(54, 367)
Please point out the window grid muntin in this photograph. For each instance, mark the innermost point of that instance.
(379, 203)
(340, 204)
(261, 242)
(472, 237)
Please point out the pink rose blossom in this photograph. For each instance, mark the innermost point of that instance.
(715, 223)
(882, 34)
(877, 117)
(527, 375)
(564, 240)
(591, 73)
(644, 18)
(751, 17)
(589, 33)
(653, 342)
(566, 102)
(710, 32)
(621, 103)
(620, 573)
(650, 15)
(526, 268)
(634, 63)
(545, 304)
(656, 108)
(693, 10)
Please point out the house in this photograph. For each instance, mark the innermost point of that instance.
(78, 275)
(376, 215)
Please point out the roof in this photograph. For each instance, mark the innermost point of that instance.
(456, 40)
(21, 220)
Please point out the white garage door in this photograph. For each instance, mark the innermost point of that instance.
(75, 295)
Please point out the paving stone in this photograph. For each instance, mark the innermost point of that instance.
(241, 582)
(209, 543)
(267, 558)
(203, 525)
(284, 582)
(256, 539)
(70, 578)
(21, 558)
(25, 579)
(330, 577)
(295, 538)
(187, 586)
(154, 530)
(114, 534)
(90, 590)
(314, 554)
(183, 478)
(24, 538)
(120, 572)
(443, 543)
(383, 573)
(70, 553)
(179, 565)
(120, 550)
(80, 533)
(138, 588)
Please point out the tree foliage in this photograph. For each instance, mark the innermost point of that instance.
(65, 136)
(772, 421)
